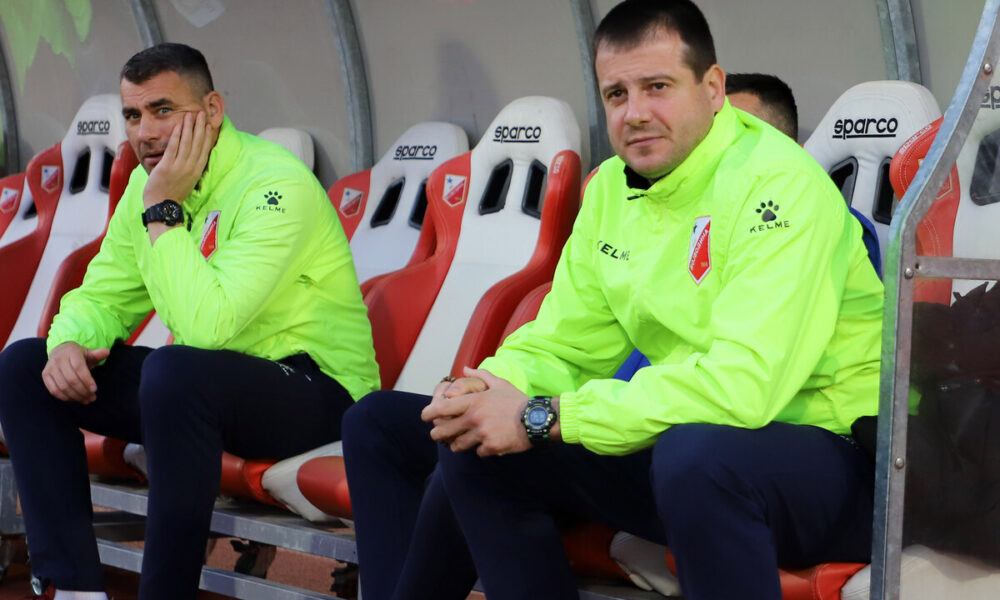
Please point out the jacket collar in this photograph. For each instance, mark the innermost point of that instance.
(220, 163)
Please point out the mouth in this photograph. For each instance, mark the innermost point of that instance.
(151, 159)
(639, 142)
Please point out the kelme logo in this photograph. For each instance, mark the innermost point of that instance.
(271, 203)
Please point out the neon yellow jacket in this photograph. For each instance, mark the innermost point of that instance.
(280, 282)
(784, 325)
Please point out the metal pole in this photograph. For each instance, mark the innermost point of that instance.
(147, 21)
(10, 158)
(902, 266)
(583, 18)
(354, 75)
(899, 40)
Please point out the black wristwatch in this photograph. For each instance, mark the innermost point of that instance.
(538, 418)
(167, 212)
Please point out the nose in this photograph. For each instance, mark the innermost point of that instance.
(637, 110)
(146, 130)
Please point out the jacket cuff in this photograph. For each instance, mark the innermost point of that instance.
(569, 424)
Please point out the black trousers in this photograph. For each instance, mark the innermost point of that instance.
(732, 503)
(186, 405)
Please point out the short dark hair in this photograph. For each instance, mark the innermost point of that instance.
(179, 58)
(634, 21)
(774, 94)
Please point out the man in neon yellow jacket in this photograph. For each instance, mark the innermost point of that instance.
(715, 245)
(233, 242)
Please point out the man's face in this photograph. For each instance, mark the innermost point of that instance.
(657, 110)
(153, 108)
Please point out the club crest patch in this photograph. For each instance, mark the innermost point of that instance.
(210, 234)
(350, 202)
(8, 199)
(51, 180)
(699, 253)
(454, 189)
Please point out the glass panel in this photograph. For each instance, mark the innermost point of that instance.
(951, 529)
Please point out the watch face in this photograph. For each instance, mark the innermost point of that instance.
(172, 213)
(537, 417)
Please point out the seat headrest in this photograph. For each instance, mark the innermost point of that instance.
(529, 128)
(296, 141)
(420, 149)
(857, 138)
(98, 124)
(870, 121)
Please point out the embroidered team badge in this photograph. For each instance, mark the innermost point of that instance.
(8, 199)
(350, 202)
(454, 189)
(210, 234)
(699, 254)
(51, 180)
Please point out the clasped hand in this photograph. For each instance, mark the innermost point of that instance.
(479, 410)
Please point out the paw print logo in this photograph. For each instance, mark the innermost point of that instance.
(273, 197)
(767, 211)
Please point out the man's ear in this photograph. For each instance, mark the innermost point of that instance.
(216, 106)
(715, 79)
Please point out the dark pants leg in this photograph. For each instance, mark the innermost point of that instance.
(48, 457)
(409, 545)
(733, 503)
(186, 406)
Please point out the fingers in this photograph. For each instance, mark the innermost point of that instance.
(444, 407)
(94, 357)
(489, 380)
(68, 378)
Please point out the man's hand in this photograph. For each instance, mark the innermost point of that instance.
(67, 373)
(183, 161)
(489, 419)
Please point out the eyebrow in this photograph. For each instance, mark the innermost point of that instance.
(642, 81)
(152, 105)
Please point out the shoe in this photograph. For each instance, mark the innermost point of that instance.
(48, 594)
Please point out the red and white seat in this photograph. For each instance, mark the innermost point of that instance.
(501, 214)
(382, 208)
(69, 189)
(857, 138)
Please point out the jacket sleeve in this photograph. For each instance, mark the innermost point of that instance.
(770, 325)
(205, 303)
(575, 336)
(112, 300)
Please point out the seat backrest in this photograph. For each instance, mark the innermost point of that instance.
(935, 233)
(965, 215)
(11, 187)
(857, 138)
(491, 208)
(296, 141)
(23, 243)
(382, 209)
(71, 271)
(81, 211)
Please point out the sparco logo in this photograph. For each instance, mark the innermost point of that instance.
(863, 127)
(991, 99)
(517, 135)
(97, 127)
(417, 152)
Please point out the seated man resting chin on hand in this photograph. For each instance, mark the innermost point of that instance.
(233, 242)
